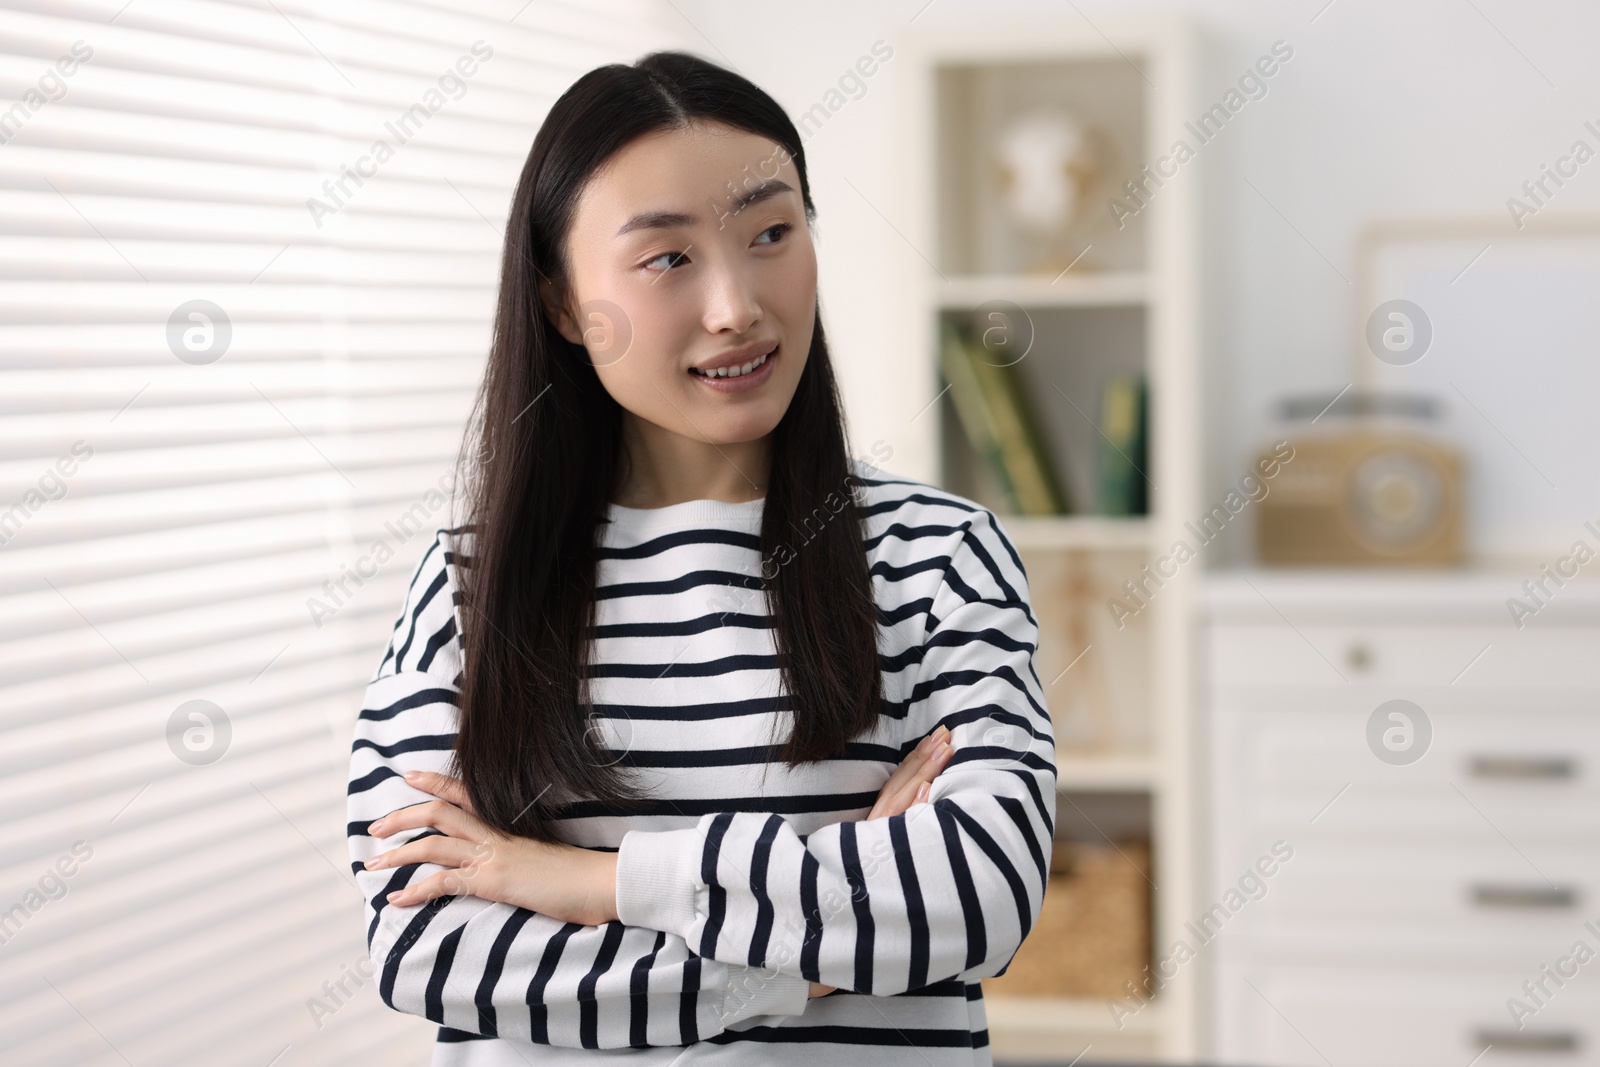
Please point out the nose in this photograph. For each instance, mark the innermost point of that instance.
(731, 302)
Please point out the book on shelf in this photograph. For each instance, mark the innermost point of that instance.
(1001, 430)
(1123, 447)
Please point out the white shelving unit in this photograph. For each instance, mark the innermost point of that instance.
(1134, 303)
(1087, 532)
(1126, 288)
(1109, 774)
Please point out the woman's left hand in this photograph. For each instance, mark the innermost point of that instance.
(565, 882)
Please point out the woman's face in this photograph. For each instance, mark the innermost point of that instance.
(697, 309)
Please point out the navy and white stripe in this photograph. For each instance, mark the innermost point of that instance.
(740, 880)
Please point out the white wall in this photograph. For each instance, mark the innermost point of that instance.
(1427, 107)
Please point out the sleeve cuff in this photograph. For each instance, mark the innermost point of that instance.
(658, 879)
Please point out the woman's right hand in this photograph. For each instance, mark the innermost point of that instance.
(909, 784)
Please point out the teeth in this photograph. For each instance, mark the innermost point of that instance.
(736, 371)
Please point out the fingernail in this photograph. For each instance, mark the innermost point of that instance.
(413, 774)
(376, 827)
(922, 793)
(392, 896)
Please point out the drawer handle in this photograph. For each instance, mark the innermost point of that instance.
(1543, 768)
(1524, 896)
(1524, 1041)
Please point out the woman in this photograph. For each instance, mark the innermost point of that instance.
(724, 744)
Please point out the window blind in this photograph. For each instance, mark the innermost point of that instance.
(246, 286)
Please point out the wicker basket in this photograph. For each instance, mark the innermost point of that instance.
(1093, 933)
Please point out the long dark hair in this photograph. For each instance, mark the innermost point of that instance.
(543, 453)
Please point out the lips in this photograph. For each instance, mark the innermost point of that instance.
(736, 370)
(743, 376)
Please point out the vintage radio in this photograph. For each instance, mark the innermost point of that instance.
(1365, 489)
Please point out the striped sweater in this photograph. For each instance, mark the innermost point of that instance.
(740, 880)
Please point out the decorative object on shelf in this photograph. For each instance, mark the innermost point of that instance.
(999, 426)
(1368, 487)
(1093, 934)
(1506, 346)
(1124, 450)
(1094, 674)
(1049, 171)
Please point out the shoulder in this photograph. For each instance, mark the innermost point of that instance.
(455, 548)
(427, 632)
(441, 561)
(911, 525)
(881, 494)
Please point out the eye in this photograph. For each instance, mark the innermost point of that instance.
(781, 228)
(674, 257)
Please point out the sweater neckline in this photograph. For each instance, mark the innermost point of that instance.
(689, 511)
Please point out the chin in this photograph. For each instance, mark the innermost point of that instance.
(727, 421)
(727, 431)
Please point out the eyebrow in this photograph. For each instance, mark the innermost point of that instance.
(656, 220)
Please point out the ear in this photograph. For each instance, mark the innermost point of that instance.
(553, 297)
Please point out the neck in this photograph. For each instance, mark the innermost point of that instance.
(664, 468)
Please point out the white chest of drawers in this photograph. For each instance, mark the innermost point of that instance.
(1440, 860)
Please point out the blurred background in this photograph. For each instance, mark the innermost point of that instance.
(1268, 328)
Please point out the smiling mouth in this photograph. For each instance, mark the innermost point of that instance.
(738, 371)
